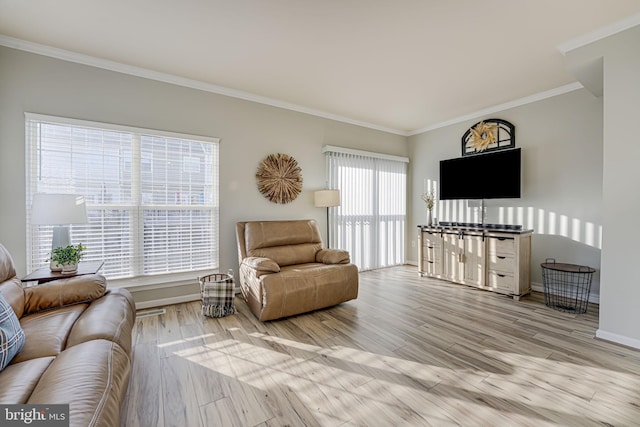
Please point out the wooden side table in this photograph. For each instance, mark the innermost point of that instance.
(44, 274)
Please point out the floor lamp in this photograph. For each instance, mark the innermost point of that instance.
(326, 199)
(59, 210)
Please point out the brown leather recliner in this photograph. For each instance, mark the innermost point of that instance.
(77, 348)
(285, 271)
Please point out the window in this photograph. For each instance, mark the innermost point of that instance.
(152, 196)
(371, 219)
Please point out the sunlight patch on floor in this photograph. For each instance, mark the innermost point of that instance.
(185, 340)
(340, 378)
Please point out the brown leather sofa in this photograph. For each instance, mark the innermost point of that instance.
(77, 348)
(284, 270)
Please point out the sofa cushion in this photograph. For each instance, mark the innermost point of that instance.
(306, 287)
(333, 256)
(110, 318)
(7, 269)
(14, 295)
(10, 285)
(92, 378)
(46, 332)
(59, 293)
(260, 265)
(290, 254)
(18, 380)
(11, 334)
(265, 234)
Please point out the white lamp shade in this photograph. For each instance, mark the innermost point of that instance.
(326, 198)
(58, 209)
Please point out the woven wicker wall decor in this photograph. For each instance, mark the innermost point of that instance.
(279, 178)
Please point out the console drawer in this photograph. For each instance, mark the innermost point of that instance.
(433, 268)
(501, 245)
(431, 255)
(501, 263)
(502, 281)
(431, 247)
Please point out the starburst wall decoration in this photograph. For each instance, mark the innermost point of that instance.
(483, 135)
(488, 135)
(279, 178)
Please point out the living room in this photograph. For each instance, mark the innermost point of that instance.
(577, 156)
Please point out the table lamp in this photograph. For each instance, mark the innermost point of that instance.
(58, 210)
(326, 199)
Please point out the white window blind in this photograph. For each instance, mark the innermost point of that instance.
(371, 219)
(152, 196)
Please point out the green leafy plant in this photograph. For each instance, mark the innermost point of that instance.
(71, 254)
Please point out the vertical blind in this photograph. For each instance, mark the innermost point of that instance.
(371, 219)
(152, 196)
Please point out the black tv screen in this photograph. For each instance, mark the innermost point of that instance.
(482, 176)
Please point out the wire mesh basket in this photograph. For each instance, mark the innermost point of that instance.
(217, 293)
(566, 286)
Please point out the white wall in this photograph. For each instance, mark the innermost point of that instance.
(248, 132)
(620, 296)
(561, 141)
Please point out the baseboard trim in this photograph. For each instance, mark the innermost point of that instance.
(539, 287)
(618, 339)
(170, 301)
(167, 301)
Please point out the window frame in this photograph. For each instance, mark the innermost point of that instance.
(139, 278)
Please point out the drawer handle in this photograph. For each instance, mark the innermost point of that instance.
(430, 262)
(500, 257)
(502, 238)
(429, 247)
(500, 275)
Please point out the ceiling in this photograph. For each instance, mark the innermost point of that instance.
(401, 65)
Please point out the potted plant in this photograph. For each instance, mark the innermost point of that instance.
(68, 257)
(429, 199)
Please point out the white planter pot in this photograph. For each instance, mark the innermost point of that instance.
(69, 268)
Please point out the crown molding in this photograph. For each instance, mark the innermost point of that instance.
(501, 107)
(246, 96)
(599, 34)
(106, 64)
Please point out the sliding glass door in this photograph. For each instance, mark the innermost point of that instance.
(371, 219)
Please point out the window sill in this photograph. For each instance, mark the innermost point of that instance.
(160, 281)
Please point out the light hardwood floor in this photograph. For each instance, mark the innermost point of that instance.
(408, 351)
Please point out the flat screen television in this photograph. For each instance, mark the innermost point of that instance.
(482, 176)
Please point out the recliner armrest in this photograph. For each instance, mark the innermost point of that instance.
(261, 265)
(59, 293)
(333, 256)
